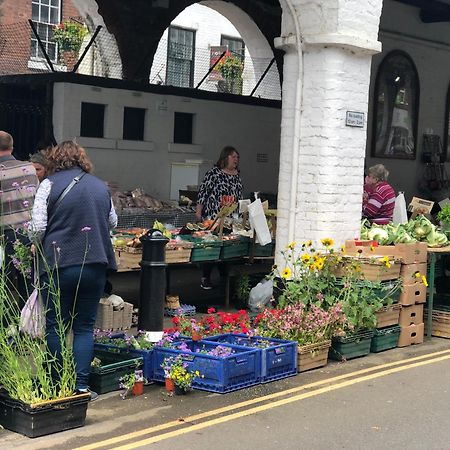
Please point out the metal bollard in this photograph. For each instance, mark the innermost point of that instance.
(153, 281)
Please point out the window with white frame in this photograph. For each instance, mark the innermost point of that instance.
(180, 57)
(235, 45)
(45, 14)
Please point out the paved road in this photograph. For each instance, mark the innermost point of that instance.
(395, 399)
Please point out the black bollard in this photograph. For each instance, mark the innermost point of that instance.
(153, 281)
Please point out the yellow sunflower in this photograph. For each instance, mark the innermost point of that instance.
(291, 246)
(327, 242)
(286, 274)
(305, 257)
(424, 280)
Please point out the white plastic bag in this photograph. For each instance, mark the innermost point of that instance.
(260, 295)
(259, 223)
(32, 317)
(400, 215)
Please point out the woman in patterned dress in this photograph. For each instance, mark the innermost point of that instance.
(220, 181)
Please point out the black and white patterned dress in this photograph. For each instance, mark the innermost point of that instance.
(215, 185)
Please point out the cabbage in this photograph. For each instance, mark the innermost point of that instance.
(378, 234)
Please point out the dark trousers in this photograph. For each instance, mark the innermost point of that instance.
(81, 289)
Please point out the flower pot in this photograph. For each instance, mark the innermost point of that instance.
(180, 391)
(196, 336)
(313, 356)
(349, 347)
(70, 58)
(170, 386)
(43, 418)
(138, 388)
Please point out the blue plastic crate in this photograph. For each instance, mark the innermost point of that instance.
(146, 355)
(237, 371)
(278, 359)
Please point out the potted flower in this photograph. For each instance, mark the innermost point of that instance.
(176, 370)
(311, 327)
(133, 382)
(230, 67)
(69, 35)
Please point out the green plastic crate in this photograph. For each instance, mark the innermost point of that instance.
(204, 251)
(344, 348)
(264, 250)
(234, 249)
(106, 377)
(385, 339)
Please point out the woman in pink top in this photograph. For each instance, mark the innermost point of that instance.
(379, 197)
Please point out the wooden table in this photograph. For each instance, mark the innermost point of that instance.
(433, 255)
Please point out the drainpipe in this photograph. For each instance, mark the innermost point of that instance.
(297, 122)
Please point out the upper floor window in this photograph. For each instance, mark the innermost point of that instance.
(235, 45)
(180, 57)
(45, 15)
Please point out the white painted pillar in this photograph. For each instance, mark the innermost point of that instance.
(326, 74)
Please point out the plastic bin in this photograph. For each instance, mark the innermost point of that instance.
(237, 371)
(51, 417)
(385, 339)
(278, 356)
(204, 250)
(114, 365)
(234, 248)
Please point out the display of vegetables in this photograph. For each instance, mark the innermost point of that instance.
(418, 229)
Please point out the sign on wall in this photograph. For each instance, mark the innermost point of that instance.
(354, 119)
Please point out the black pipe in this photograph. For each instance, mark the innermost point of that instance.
(262, 77)
(210, 70)
(75, 67)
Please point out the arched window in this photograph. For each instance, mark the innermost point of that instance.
(396, 106)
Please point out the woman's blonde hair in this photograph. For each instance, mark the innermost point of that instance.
(378, 171)
(66, 155)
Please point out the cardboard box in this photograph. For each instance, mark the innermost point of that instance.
(411, 335)
(420, 206)
(415, 252)
(388, 315)
(408, 271)
(411, 315)
(371, 268)
(413, 293)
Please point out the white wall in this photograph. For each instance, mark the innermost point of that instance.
(251, 129)
(401, 29)
(209, 23)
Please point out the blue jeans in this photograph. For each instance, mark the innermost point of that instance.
(86, 283)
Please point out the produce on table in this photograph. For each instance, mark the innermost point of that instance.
(418, 229)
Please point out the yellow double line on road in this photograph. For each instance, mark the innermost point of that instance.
(332, 384)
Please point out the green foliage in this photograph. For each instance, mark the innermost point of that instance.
(230, 66)
(69, 35)
(242, 287)
(444, 214)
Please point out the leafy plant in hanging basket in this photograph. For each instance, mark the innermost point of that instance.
(69, 35)
(230, 66)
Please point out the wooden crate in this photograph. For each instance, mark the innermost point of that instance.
(388, 315)
(379, 272)
(414, 252)
(178, 255)
(372, 269)
(127, 261)
(440, 323)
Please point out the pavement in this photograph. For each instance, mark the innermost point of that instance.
(197, 419)
(280, 414)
